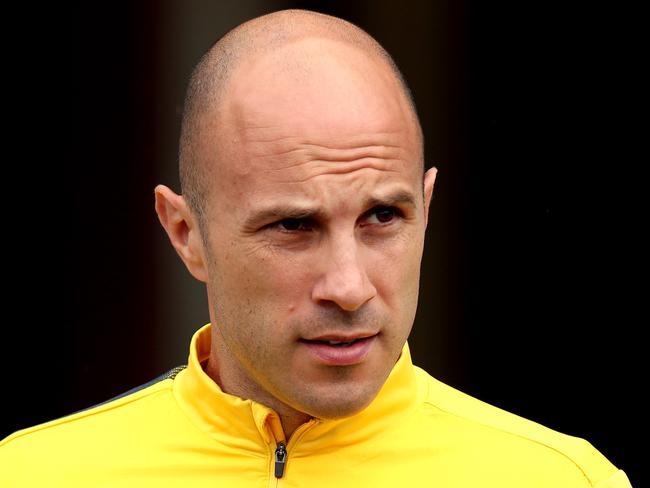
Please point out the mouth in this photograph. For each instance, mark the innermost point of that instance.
(340, 343)
(335, 342)
(340, 350)
(341, 338)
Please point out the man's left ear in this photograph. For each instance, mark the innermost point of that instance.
(429, 180)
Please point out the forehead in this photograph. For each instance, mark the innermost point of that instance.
(315, 108)
(317, 84)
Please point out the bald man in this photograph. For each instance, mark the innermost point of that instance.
(303, 210)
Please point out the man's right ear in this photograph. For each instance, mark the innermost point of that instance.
(182, 229)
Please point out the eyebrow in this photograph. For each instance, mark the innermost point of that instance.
(281, 211)
(400, 197)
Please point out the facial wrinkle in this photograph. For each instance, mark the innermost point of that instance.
(316, 168)
(315, 149)
(339, 159)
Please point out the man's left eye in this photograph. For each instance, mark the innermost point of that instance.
(381, 215)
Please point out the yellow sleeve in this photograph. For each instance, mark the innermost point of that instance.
(617, 480)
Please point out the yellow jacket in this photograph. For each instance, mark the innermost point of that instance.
(182, 430)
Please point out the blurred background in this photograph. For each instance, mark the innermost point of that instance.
(531, 280)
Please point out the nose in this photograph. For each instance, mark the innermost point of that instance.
(343, 279)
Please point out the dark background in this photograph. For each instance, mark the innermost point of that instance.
(531, 279)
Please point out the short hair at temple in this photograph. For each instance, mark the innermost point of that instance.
(209, 79)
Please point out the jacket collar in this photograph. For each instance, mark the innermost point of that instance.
(249, 425)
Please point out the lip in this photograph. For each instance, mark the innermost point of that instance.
(340, 356)
(337, 336)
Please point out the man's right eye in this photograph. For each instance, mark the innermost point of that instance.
(294, 225)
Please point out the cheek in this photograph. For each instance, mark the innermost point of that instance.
(395, 267)
(272, 281)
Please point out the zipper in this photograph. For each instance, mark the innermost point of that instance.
(282, 449)
(280, 459)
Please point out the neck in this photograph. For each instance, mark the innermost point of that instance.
(290, 418)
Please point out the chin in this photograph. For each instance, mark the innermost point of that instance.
(341, 403)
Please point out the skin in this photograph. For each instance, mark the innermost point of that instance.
(315, 227)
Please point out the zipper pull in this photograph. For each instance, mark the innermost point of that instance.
(280, 459)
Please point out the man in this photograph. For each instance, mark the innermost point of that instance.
(303, 209)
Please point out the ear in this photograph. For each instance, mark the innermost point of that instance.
(429, 180)
(182, 229)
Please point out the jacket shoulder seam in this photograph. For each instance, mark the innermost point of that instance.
(516, 434)
(430, 381)
(145, 390)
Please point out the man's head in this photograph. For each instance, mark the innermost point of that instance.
(304, 211)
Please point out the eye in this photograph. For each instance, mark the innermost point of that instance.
(295, 225)
(382, 215)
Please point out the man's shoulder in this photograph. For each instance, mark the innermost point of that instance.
(84, 430)
(487, 427)
(123, 405)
